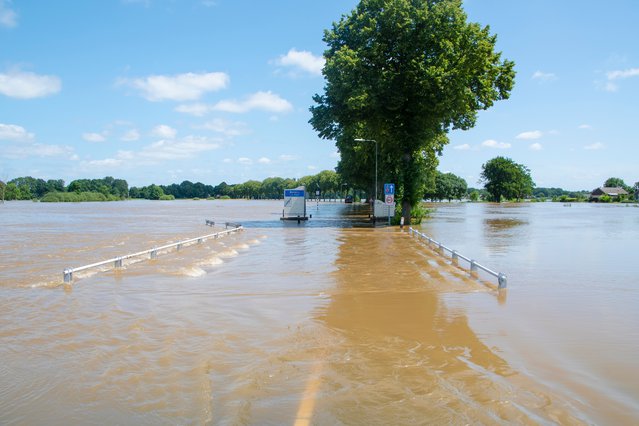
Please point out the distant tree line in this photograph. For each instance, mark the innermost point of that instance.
(29, 188)
(508, 181)
(326, 182)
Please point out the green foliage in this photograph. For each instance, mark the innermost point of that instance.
(447, 186)
(474, 196)
(167, 197)
(615, 182)
(405, 73)
(75, 197)
(505, 179)
(605, 199)
(107, 186)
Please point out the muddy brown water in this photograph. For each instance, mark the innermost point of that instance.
(320, 323)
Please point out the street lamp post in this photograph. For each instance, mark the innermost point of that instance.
(372, 140)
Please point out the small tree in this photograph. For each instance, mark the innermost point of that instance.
(506, 179)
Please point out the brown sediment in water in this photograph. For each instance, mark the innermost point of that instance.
(312, 324)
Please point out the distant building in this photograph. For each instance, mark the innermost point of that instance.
(613, 193)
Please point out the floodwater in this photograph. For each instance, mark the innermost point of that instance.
(324, 322)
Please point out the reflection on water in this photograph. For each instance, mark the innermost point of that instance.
(318, 323)
(571, 316)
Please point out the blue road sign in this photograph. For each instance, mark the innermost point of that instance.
(294, 193)
(389, 189)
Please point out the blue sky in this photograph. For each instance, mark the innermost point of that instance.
(161, 91)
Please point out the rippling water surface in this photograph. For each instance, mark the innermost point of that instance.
(319, 323)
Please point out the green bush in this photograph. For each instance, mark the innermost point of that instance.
(74, 197)
(167, 197)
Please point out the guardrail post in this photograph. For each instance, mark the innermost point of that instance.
(117, 263)
(455, 258)
(154, 254)
(179, 246)
(68, 276)
(503, 281)
(199, 240)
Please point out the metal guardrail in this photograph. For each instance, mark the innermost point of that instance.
(153, 253)
(502, 280)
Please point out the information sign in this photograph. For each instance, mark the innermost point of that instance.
(389, 189)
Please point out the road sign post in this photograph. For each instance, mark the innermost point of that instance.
(389, 195)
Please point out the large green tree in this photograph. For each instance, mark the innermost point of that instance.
(505, 179)
(404, 73)
(447, 186)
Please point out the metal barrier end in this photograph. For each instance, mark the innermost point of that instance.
(503, 280)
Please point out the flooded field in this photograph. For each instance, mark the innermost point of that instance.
(319, 323)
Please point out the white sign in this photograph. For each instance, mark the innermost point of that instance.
(390, 199)
(295, 202)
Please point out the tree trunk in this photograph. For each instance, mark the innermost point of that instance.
(406, 208)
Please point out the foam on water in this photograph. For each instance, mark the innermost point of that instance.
(192, 271)
(212, 261)
(228, 253)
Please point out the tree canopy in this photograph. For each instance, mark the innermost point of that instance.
(404, 73)
(447, 186)
(615, 182)
(506, 179)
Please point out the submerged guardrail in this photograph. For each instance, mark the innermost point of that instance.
(502, 280)
(152, 253)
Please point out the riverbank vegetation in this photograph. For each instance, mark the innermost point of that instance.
(442, 187)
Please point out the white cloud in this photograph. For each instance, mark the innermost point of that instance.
(182, 87)
(27, 85)
(490, 143)
(594, 146)
(164, 131)
(264, 160)
(106, 163)
(8, 18)
(544, 76)
(535, 147)
(462, 147)
(311, 167)
(534, 134)
(585, 126)
(245, 161)
(93, 137)
(265, 101)
(227, 161)
(14, 133)
(15, 151)
(197, 109)
(612, 76)
(302, 60)
(178, 149)
(130, 136)
(226, 127)
(622, 74)
(286, 157)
